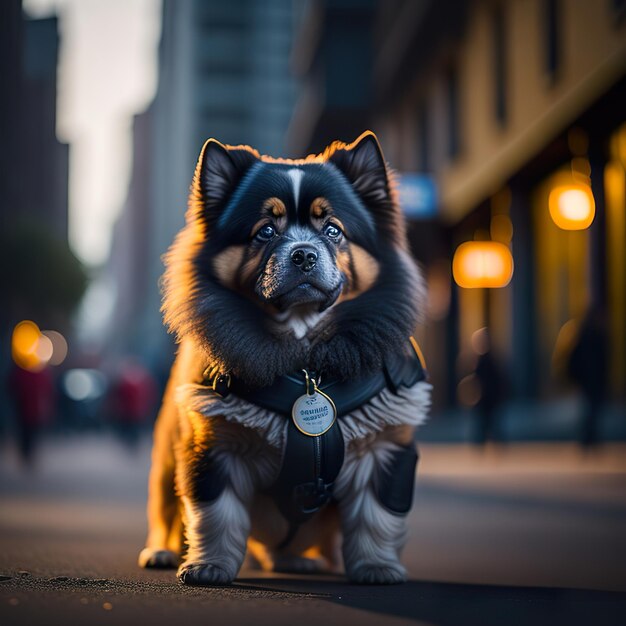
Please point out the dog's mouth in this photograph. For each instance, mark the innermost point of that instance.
(307, 293)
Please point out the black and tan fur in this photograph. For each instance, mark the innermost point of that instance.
(236, 301)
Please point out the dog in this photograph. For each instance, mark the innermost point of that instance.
(287, 426)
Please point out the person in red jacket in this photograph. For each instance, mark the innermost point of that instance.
(135, 395)
(33, 396)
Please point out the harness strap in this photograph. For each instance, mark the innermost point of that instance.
(401, 370)
(309, 468)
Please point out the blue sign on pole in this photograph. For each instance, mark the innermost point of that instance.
(418, 195)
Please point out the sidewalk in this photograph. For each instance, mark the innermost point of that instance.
(524, 532)
(555, 420)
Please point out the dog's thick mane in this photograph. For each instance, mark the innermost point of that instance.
(352, 340)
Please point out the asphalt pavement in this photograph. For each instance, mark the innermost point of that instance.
(517, 534)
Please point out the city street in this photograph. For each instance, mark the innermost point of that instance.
(529, 533)
(208, 196)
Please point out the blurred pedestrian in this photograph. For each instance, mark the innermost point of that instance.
(492, 387)
(588, 369)
(32, 392)
(135, 397)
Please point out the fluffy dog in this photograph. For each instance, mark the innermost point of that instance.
(284, 267)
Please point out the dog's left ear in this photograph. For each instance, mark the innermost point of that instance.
(363, 164)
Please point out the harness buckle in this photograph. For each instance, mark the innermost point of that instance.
(219, 383)
(310, 497)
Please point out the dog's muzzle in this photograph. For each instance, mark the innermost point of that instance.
(300, 274)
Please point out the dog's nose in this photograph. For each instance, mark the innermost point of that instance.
(304, 257)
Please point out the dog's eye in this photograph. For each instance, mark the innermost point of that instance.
(266, 233)
(332, 231)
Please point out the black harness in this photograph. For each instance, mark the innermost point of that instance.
(311, 464)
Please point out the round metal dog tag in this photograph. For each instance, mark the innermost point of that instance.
(313, 414)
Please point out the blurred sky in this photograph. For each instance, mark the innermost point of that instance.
(107, 73)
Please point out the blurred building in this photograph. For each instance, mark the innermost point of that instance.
(10, 83)
(33, 167)
(499, 102)
(333, 56)
(45, 158)
(130, 244)
(224, 73)
(34, 164)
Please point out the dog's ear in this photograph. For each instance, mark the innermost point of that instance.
(363, 164)
(220, 168)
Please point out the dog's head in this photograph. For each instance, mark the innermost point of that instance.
(293, 234)
(270, 240)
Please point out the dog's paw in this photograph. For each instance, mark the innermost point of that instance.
(378, 574)
(158, 559)
(286, 564)
(203, 574)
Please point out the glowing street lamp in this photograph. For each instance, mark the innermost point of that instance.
(480, 264)
(572, 206)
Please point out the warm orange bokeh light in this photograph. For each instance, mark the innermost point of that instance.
(33, 350)
(482, 264)
(572, 207)
(25, 345)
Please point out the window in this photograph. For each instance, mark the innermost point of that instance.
(499, 62)
(552, 38)
(453, 112)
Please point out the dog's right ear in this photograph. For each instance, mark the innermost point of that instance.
(219, 170)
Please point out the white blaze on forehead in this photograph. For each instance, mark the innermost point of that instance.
(296, 178)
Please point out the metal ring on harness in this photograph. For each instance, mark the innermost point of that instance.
(307, 381)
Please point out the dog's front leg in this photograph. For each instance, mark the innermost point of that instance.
(375, 491)
(217, 520)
